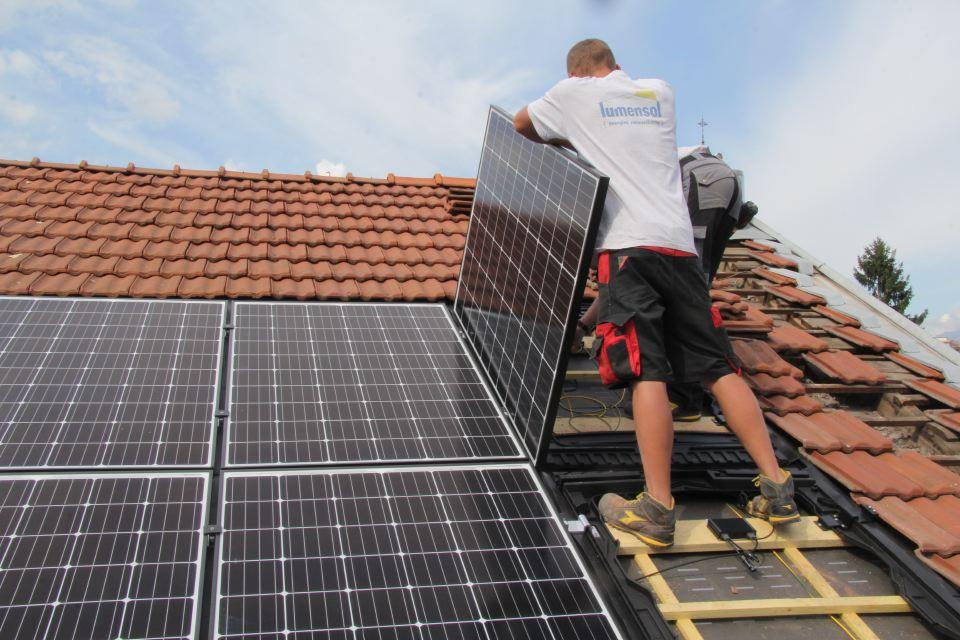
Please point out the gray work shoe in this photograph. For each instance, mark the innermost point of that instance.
(775, 503)
(646, 518)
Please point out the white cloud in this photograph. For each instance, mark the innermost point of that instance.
(359, 82)
(143, 91)
(12, 10)
(948, 323)
(861, 141)
(141, 148)
(16, 111)
(17, 62)
(329, 168)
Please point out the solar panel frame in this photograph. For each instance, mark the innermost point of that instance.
(525, 467)
(536, 438)
(199, 560)
(508, 429)
(215, 386)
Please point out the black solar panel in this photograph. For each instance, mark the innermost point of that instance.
(106, 557)
(419, 553)
(330, 383)
(532, 229)
(107, 383)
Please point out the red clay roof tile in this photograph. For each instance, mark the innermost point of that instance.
(753, 321)
(37, 245)
(11, 261)
(936, 390)
(288, 288)
(767, 385)
(202, 287)
(250, 251)
(775, 278)
(17, 283)
(138, 266)
(914, 365)
(59, 284)
(107, 285)
(933, 525)
(796, 296)
(949, 568)
(155, 287)
(27, 228)
(832, 431)
(96, 265)
(231, 268)
(773, 259)
(182, 267)
(864, 339)
(907, 475)
(757, 357)
(756, 246)
(123, 248)
(207, 250)
(333, 290)
(836, 316)
(47, 263)
(948, 419)
(59, 214)
(276, 269)
(845, 367)
(724, 296)
(151, 232)
(782, 405)
(787, 338)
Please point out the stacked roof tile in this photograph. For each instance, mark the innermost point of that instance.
(102, 231)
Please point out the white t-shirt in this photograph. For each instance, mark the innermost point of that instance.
(627, 130)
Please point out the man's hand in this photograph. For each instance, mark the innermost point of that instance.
(524, 126)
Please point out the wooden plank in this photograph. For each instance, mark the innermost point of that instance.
(894, 421)
(783, 607)
(693, 536)
(852, 621)
(663, 592)
(837, 388)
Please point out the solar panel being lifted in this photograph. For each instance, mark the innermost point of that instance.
(107, 383)
(110, 556)
(443, 552)
(331, 383)
(532, 229)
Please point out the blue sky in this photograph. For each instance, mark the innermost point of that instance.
(842, 115)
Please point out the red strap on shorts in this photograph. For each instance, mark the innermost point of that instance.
(676, 253)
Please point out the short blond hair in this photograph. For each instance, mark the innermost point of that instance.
(589, 55)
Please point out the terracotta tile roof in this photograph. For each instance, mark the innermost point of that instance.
(758, 357)
(796, 296)
(107, 231)
(915, 366)
(934, 525)
(936, 390)
(845, 367)
(816, 342)
(832, 431)
(787, 338)
(905, 475)
(865, 339)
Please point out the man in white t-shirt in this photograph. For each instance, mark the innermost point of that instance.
(654, 315)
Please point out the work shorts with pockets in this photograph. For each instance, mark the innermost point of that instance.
(655, 320)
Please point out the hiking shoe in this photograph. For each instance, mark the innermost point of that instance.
(775, 503)
(646, 518)
(682, 414)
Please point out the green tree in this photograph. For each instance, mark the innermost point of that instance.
(879, 271)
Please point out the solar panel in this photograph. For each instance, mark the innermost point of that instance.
(443, 552)
(107, 383)
(533, 225)
(109, 556)
(331, 383)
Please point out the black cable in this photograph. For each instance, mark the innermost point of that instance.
(689, 562)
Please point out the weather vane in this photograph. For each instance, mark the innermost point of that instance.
(703, 123)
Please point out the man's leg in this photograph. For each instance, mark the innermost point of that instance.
(743, 415)
(775, 502)
(654, 426)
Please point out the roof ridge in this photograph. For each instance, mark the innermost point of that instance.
(438, 179)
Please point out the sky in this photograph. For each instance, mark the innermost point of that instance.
(843, 116)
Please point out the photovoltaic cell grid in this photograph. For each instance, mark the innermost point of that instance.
(107, 383)
(415, 553)
(331, 383)
(534, 214)
(100, 557)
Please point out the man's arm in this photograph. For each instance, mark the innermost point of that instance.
(524, 126)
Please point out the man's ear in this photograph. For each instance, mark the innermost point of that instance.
(617, 68)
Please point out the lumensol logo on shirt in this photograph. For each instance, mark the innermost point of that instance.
(622, 111)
